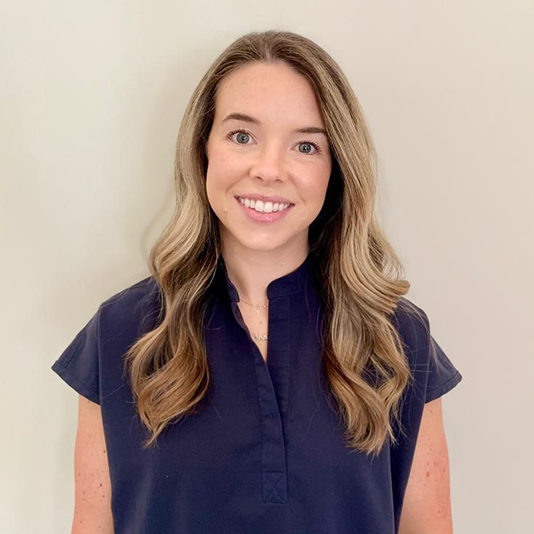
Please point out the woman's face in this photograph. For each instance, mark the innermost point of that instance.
(268, 156)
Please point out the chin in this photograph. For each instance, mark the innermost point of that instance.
(260, 244)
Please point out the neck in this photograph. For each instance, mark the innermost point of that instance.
(251, 271)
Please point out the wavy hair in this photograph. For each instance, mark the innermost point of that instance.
(361, 278)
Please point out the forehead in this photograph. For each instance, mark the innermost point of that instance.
(270, 92)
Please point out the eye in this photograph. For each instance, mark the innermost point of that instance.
(242, 132)
(314, 145)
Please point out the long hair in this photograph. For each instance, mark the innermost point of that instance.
(361, 278)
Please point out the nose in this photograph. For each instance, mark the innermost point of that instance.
(269, 164)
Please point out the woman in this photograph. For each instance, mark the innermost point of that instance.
(269, 376)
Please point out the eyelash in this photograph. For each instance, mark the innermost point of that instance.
(315, 145)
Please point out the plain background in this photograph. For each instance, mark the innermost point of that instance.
(92, 97)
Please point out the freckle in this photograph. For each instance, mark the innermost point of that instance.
(100, 484)
(427, 474)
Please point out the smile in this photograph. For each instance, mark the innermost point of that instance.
(253, 213)
(263, 207)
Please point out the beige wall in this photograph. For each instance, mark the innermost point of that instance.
(92, 95)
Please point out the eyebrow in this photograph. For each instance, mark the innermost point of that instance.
(248, 118)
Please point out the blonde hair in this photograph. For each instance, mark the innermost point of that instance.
(360, 276)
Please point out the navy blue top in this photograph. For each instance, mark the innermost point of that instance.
(265, 451)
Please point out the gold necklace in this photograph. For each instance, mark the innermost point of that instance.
(255, 306)
(259, 337)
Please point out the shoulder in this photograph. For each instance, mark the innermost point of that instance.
(133, 293)
(134, 306)
(413, 327)
(412, 323)
(434, 372)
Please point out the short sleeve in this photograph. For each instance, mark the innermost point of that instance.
(78, 365)
(433, 371)
(442, 374)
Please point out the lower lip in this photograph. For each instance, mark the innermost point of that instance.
(265, 217)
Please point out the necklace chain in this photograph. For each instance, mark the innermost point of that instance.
(260, 337)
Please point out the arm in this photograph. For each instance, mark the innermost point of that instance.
(427, 506)
(92, 510)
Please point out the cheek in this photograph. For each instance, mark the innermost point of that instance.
(314, 187)
(216, 175)
(221, 176)
(222, 167)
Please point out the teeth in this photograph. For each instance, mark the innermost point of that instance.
(261, 207)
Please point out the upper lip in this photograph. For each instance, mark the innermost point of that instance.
(266, 198)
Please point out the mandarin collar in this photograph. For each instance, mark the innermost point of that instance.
(288, 284)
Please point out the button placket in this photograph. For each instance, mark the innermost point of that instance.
(269, 377)
(272, 376)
